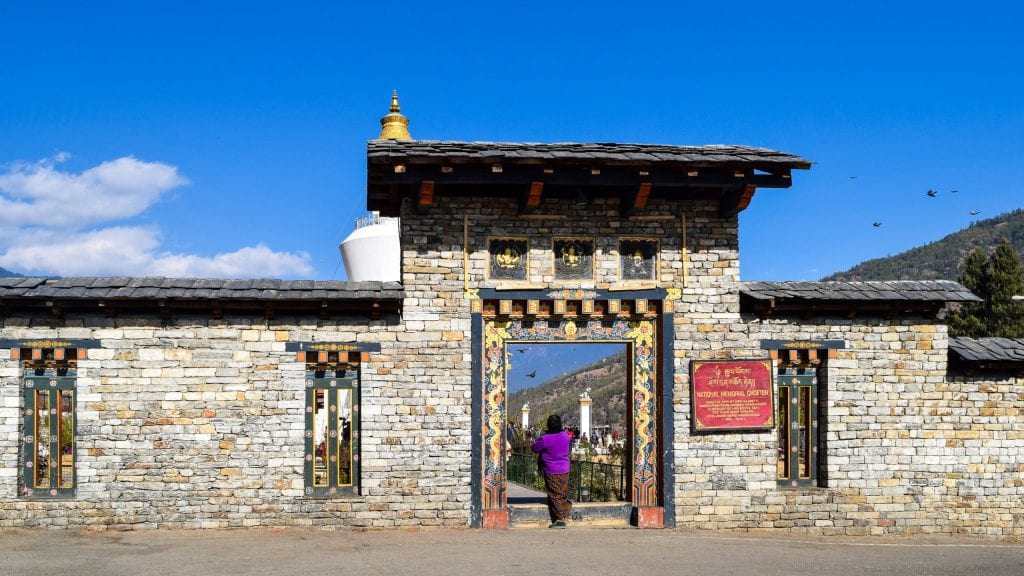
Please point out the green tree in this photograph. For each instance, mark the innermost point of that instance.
(996, 280)
(1005, 280)
(969, 318)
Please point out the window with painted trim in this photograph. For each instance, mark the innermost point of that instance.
(332, 425)
(801, 417)
(49, 394)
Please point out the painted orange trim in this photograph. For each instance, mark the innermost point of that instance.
(642, 195)
(536, 190)
(426, 193)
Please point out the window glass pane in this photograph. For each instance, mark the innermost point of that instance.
(783, 425)
(344, 437)
(804, 419)
(42, 439)
(320, 423)
(66, 435)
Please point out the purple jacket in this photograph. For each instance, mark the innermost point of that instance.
(554, 452)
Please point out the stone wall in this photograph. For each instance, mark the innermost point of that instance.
(199, 423)
(908, 450)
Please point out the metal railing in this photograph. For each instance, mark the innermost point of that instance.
(371, 219)
(589, 481)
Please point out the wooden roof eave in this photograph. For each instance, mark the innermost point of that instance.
(776, 307)
(10, 307)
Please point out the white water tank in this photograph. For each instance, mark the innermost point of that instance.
(372, 252)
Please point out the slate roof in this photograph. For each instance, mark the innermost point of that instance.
(196, 288)
(605, 153)
(988, 349)
(876, 291)
(57, 296)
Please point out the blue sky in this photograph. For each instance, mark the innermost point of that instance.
(228, 139)
(550, 360)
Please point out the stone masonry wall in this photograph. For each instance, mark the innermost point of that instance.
(907, 450)
(200, 424)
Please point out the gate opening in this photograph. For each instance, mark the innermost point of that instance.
(637, 321)
(588, 386)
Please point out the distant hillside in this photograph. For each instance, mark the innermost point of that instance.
(607, 381)
(5, 273)
(943, 259)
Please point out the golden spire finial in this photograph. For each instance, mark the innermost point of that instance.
(394, 126)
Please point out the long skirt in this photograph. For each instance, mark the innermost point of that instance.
(557, 487)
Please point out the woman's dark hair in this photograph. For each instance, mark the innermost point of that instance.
(554, 424)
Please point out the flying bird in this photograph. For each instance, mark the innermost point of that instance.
(877, 224)
(520, 350)
(532, 374)
(953, 191)
(975, 212)
(932, 193)
(853, 177)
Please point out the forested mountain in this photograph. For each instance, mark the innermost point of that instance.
(943, 259)
(5, 273)
(607, 381)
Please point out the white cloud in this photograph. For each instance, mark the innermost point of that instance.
(115, 251)
(52, 223)
(40, 194)
(249, 262)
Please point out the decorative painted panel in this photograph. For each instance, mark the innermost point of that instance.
(638, 259)
(508, 258)
(574, 258)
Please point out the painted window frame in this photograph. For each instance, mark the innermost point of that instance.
(793, 385)
(330, 379)
(54, 377)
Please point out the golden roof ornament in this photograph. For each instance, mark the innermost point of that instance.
(394, 126)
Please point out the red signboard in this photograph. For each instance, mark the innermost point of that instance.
(732, 395)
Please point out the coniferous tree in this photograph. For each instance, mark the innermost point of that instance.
(1005, 279)
(969, 318)
(996, 280)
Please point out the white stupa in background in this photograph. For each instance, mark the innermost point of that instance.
(372, 251)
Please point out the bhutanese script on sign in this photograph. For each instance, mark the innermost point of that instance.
(732, 395)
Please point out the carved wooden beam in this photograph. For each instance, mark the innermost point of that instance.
(637, 200)
(425, 196)
(736, 201)
(532, 199)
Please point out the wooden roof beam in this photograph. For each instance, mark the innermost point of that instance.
(531, 200)
(607, 176)
(425, 196)
(637, 199)
(736, 201)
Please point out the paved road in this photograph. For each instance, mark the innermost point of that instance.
(576, 551)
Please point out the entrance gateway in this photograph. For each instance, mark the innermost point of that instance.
(642, 320)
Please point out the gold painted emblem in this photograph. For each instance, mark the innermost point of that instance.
(508, 258)
(638, 258)
(571, 329)
(571, 256)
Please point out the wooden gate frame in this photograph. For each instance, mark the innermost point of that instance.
(641, 319)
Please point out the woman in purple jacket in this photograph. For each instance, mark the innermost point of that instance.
(553, 448)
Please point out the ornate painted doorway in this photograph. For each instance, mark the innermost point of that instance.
(642, 320)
